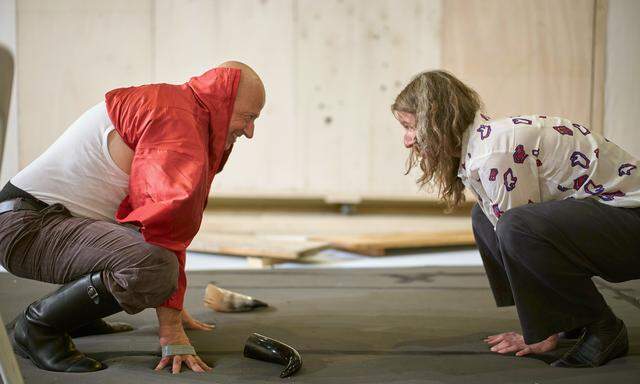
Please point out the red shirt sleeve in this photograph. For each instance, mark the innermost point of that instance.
(176, 300)
(168, 188)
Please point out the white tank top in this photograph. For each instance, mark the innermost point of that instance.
(78, 171)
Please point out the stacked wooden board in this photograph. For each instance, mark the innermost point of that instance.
(379, 244)
(261, 250)
(269, 237)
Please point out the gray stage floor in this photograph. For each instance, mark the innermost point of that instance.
(419, 325)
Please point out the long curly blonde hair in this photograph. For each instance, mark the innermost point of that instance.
(444, 108)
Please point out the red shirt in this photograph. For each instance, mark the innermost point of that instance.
(178, 135)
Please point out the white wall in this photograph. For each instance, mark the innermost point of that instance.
(8, 38)
(622, 83)
(331, 68)
(70, 53)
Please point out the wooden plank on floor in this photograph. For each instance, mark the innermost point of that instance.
(275, 247)
(377, 244)
(252, 232)
(263, 262)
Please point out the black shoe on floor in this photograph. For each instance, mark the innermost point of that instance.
(40, 333)
(602, 341)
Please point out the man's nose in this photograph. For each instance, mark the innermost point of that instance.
(248, 131)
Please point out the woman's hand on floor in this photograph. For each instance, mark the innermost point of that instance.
(514, 342)
(190, 323)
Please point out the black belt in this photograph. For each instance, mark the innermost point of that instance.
(17, 204)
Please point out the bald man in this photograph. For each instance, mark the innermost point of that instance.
(109, 209)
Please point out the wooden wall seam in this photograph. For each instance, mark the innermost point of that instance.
(598, 66)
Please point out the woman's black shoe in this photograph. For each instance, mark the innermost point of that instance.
(601, 342)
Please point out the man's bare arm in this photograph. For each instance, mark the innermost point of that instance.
(170, 327)
(120, 152)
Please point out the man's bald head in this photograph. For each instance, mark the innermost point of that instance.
(248, 104)
(250, 86)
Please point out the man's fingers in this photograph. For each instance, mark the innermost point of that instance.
(163, 363)
(210, 326)
(202, 364)
(187, 361)
(524, 352)
(192, 363)
(198, 325)
(177, 364)
(204, 326)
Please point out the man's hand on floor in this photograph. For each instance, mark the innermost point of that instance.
(514, 342)
(171, 331)
(190, 323)
(194, 362)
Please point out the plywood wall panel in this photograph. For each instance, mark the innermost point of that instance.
(412, 44)
(8, 40)
(353, 58)
(599, 65)
(69, 53)
(523, 56)
(194, 36)
(331, 68)
(622, 97)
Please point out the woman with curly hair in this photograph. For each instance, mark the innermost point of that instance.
(556, 205)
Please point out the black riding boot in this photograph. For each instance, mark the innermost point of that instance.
(99, 327)
(40, 333)
(94, 327)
